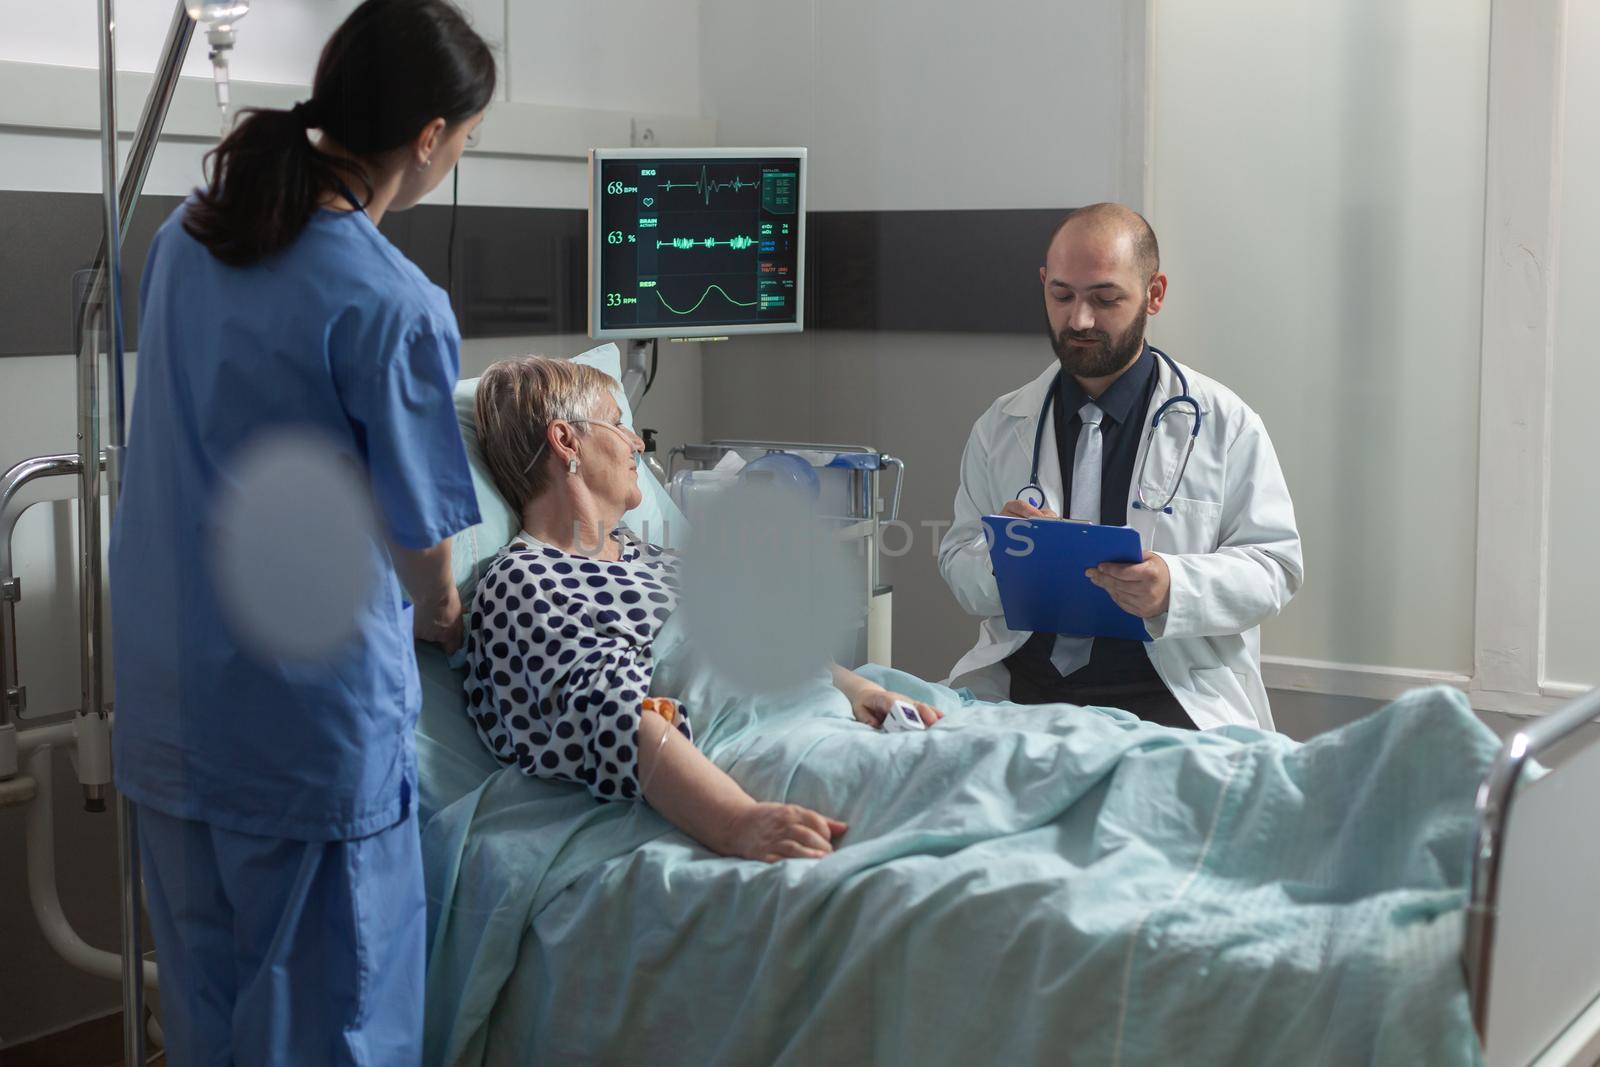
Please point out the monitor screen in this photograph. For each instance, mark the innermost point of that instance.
(696, 242)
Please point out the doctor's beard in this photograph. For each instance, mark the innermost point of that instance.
(1103, 359)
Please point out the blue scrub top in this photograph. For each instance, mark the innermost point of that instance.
(340, 336)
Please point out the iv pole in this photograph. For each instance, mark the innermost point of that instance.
(103, 325)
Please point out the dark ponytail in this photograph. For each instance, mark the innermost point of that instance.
(389, 70)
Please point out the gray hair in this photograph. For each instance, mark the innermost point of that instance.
(517, 401)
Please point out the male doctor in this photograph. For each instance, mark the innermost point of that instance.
(1220, 559)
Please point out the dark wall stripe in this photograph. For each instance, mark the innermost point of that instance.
(945, 271)
(44, 238)
(521, 271)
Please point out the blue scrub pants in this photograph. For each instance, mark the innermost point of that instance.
(279, 952)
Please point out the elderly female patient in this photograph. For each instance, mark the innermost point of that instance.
(559, 641)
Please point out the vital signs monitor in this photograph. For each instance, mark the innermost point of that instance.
(697, 242)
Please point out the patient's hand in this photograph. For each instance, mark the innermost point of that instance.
(871, 705)
(772, 832)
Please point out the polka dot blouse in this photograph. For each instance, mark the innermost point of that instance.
(559, 660)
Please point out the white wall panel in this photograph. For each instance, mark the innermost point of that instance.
(912, 105)
(623, 55)
(1573, 620)
(1318, 188)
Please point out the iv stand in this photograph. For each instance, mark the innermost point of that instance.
(101, 318)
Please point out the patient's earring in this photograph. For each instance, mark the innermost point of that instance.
(425, 164)
(572, 465)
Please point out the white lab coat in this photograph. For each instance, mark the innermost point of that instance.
(1230, 543)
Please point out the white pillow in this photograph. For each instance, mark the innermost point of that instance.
(657, 518)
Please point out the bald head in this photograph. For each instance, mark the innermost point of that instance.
(1102, 280)
(1115, 227)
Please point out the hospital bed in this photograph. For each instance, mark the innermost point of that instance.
(1522, 951)
(528, 876)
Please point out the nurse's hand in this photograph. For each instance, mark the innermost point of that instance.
(440, 624)
(1141, 589)
(1020, 509)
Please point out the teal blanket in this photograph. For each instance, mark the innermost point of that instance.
(1018, 885)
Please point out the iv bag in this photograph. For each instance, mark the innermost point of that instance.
(218, 13)
(218, 16)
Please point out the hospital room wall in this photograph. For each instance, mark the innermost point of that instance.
(602, 68)
(912, 106)
(1318, 185)
(37, 390)
(952, 116)
(574, 54)
(1316, 175)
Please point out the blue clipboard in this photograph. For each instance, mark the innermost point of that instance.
(1043, 588)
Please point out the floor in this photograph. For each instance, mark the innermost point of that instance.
(95, 1043)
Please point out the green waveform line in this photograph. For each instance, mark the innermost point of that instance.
(707, 187)
(702, 300)
(738, 243)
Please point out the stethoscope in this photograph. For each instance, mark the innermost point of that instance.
(1032, 494)
(345, 191)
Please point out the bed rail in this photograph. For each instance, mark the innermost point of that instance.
(13, 694)
(1496, 796)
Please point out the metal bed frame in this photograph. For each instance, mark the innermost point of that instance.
(1500, 914)
(1532, 945)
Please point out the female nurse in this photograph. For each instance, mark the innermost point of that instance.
(274, 791)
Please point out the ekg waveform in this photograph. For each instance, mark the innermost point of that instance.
(705, 186)
(737, 243)
(702, 300)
